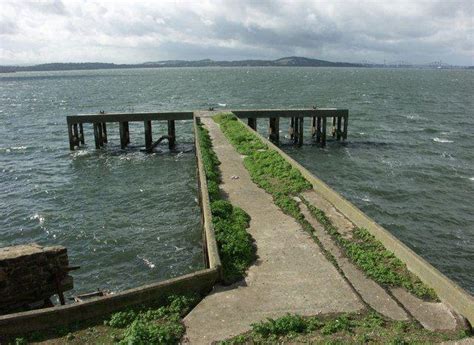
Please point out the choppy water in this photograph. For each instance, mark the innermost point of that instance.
(130, 218)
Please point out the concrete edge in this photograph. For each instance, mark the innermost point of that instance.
(448, 291)
(210, 244)
(18, 323)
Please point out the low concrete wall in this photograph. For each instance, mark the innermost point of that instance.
(211, 249)
(18, 323)
(448, 291)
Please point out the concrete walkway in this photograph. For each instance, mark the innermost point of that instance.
(291, 274)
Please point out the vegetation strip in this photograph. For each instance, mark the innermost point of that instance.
(230, 223)
(140, 325)
(269, 170)
(353, 328)
(372, 257)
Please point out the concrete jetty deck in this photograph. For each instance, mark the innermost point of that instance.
(292, 274)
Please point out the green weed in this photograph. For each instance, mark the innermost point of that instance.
(230, 223)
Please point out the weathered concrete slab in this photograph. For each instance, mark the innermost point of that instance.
(343, 225)
(432, 316)
(291, 275)
(372, 293)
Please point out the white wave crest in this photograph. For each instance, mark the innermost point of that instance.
(441, 140)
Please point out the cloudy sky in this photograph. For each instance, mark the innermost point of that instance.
(138, 31)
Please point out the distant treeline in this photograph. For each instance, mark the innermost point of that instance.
(293, 61)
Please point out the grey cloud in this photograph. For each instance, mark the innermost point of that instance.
(416, 31)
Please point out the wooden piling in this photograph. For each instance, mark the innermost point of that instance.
(291, 130)
(76, 134)
(96, 135)
(71, 137)
(148, 136)
(323, 132)
(127, 132)
(123, 137)
(339, 120)
(274, 129)
(101, 134)
(313, 126)
(300, 131)
(318, 130)
(81, 133)
(104, 132)
(171, 134)
(333, 130)
(344, 133)
(296, 129)
(252, 122)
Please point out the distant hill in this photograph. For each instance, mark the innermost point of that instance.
(292, 61)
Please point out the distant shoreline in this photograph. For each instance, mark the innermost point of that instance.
(283, 62)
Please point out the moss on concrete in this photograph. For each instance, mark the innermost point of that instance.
(371, 256)
(269, 170)
(234, 243)
(134, 326)
(353, 328)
